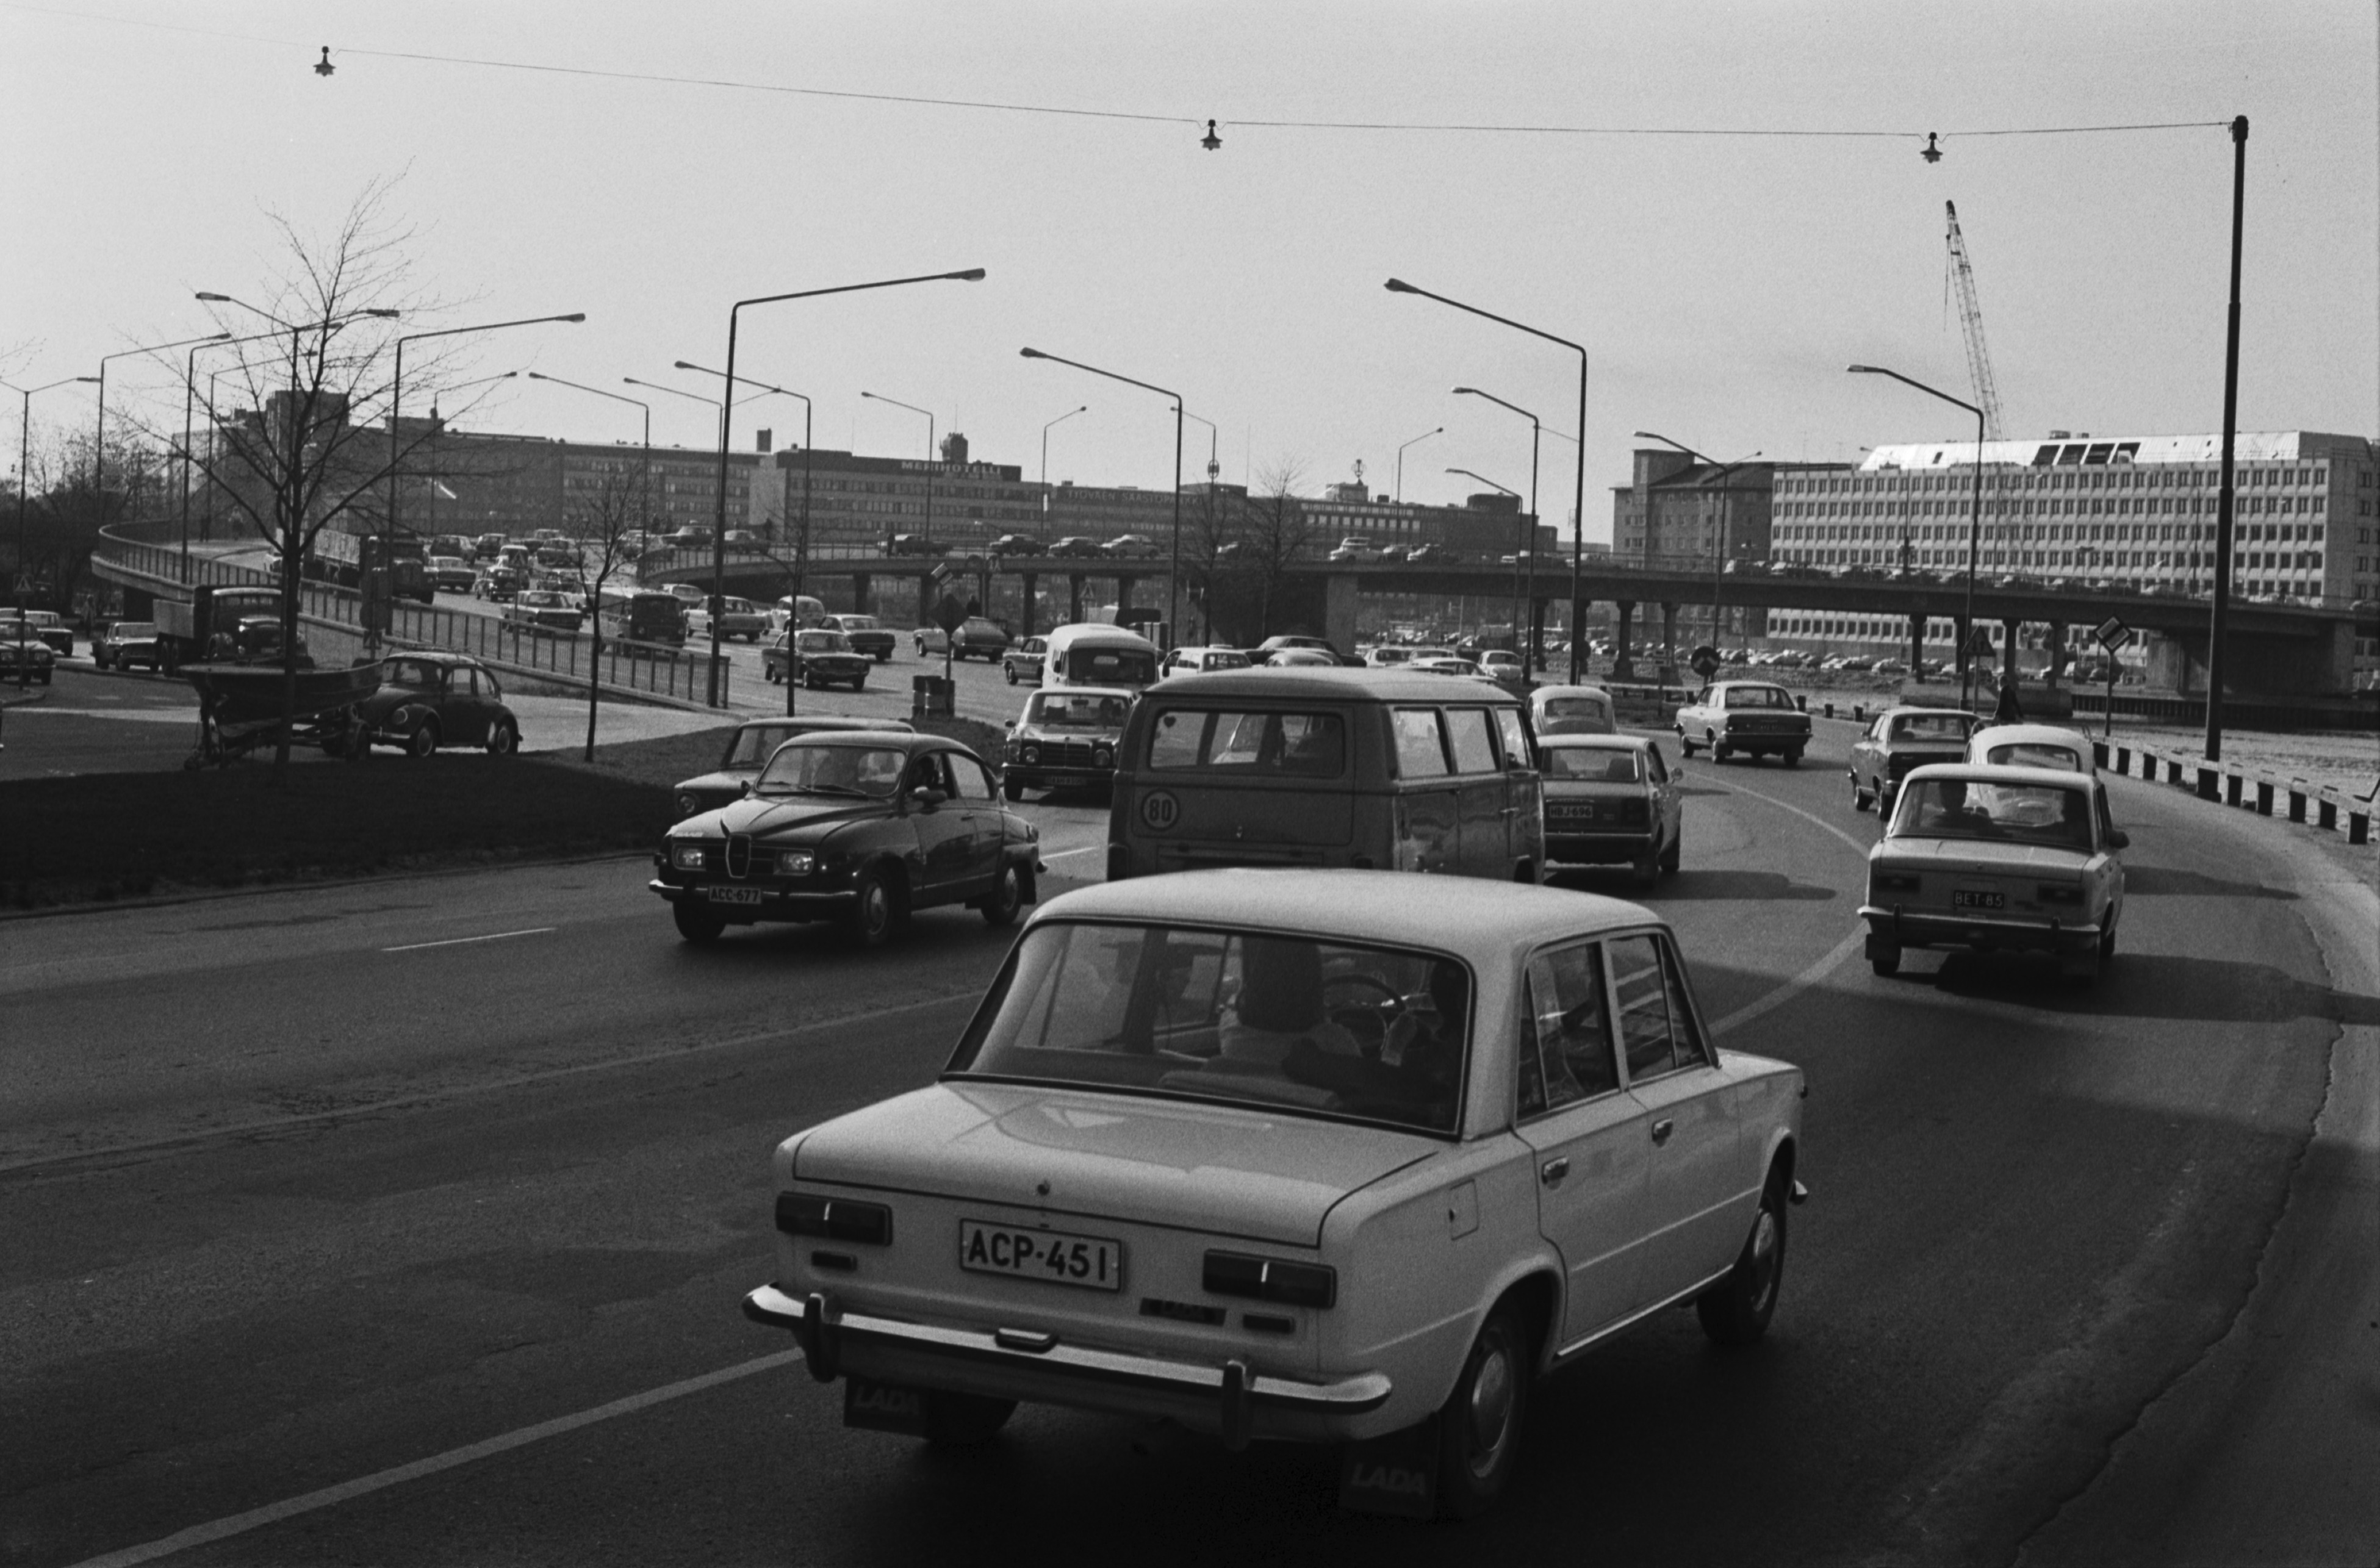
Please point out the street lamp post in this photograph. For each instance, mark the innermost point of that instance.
(1174, 571)
(1974, 523)
(1045, 463)
(1532, 662)
(1726, 515)
(694, 396)
(802, 540)
(929, 453)
(24, 487)
(1519, 606)
(1578, 529)
(2218, 612)
(645, 466)
(397, 397)
(1442, 430)
(1214, 500)
(726, 413)
(99, 436)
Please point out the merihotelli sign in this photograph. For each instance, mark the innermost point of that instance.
(959, 470)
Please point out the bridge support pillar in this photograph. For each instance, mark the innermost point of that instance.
(1916, 644)
(925, 599)
(2009, 630)
(1074, 597)
(1536, 657)
(1623, 614)
(1667, 664)
(1032, 584)
(1124, 596)
(1342, 601)
(1577, 640)
(859, 593)
(2057, 655)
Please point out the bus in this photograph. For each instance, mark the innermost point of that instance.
(634, 615)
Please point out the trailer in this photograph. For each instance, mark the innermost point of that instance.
(240, 710)
(220, 625)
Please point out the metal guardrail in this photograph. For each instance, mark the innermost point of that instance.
(653, 668)
(2235, 784)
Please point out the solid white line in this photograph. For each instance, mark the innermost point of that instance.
(1086, 850)
(459, 940)
(380, 1480)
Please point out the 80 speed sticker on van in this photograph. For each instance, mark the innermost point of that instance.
(1159, 811)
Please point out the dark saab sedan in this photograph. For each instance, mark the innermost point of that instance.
(860, 828)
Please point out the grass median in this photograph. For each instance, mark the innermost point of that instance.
(97, 838)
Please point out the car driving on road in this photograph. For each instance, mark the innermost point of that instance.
(818, 658)
(125, 645)
(749, 745)
(1022, 660)
(1611, 799)
(1901, 739)
(1294, 1155)
(542, 607)
(2032, 746)
(24, 656)
(863, 828)
(868, 635)
(1066, 738)
(977, 638)
(1998, 860)
(1747, 718)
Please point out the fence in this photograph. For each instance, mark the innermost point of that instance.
(2237, 786)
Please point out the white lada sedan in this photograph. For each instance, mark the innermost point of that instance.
(1290, 1154)
(1997, 858)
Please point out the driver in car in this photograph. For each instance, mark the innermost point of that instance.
(1279, 1005)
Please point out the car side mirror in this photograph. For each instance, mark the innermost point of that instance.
(1011, 725)
(747, 789)
(928, 796)
(2119, 839)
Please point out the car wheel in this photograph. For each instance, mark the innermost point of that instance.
(873, 910)
(1737, 1309)
(1859, 795)
(965, 1420)
(1007, 898)
(695, 923)
(2107, 938)
(423, 742)
(1884, 960)
(503, 740)
(1793, 758)
(1479, 1425)
(1671, 855)
(860, 683)
(1883, 793)
(1685, 747)
(1012, 675)
(1720, 753)
(1012, 789)
(1646, 867)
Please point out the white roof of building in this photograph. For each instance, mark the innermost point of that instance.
(2248, 446)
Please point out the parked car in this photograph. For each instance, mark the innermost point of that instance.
(1297, 658)
(1433, 555)
(427, 700)
(1751, 717)
(867, 635)
(1354, 547)
(1505, 668)
(1899, 740)
(486, 547)
(1075, 546)
(1016, 544)
(1998, 860)
(689, 537)
(1572, 710)
(1022, 661)
(450, 574)
(1066, 738)
(1133, 547)
(819, 657)
(743, 538)
(126, 644)
(750, 745)
(915, 544)
(1200, 661)
(46, 625)
(1295, 1157)
(542, 608)
(2032, 746)
(1612, 798)
(864, 829)
(23, 656)
(737, 618)
(976, 638)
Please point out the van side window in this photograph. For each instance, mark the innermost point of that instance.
(1175, 740)
(1515, 732)
(1419, 753)
(1474, 748)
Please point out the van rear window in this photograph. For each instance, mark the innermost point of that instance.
(1308, 746)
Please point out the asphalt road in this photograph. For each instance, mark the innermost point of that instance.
(404, 1223)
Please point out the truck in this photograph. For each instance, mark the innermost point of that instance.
(340, 557)
(240, 626)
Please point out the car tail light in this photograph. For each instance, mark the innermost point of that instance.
(2060, 893)
(1637, 809)
(1267, 1279)
(834, 1218)
(1893, 881)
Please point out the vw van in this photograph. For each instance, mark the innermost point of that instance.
(1328, 767)
(1094, 653)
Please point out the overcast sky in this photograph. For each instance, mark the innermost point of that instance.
(1721, 283)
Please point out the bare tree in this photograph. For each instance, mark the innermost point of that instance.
(304, 455)
(1276, 535)
(602, 523)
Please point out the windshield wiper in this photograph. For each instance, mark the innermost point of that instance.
(837, 789)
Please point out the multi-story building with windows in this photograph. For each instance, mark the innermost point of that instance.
(1676, 511)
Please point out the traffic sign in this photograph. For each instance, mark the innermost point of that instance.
(939, 572)
(2112, 634)
(948, 613)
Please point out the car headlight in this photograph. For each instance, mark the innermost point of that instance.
(688, 803)
(687, 856)
(1104, 756)
(1029, 753)
(795, 863)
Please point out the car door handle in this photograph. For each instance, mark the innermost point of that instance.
(1661, 1130)
(1554, 1170)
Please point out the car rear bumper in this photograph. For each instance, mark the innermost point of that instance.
(774, 904)
(1229, 1399)
(1737, 741)
(1897, 927)
(1599, 848)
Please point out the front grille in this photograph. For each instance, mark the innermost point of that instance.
(1066, 754)
(739, 854)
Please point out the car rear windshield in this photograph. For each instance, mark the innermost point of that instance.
(862, 772)
(135, 629)
(1594, 764)
(1305, 746)
(1327, 1028)
(1944, 727)
(822, 642)
(1757, 697)
(1076, 710)
(2011, 813)
(1112, 666)
(858, 623)
(2035, 754)
(753, 744)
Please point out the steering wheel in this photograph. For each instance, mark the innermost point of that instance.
(1368, 1021)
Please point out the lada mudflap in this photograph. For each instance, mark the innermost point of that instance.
(1241, 1171)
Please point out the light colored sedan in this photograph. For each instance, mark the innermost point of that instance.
(1998, 860)
(1290, 1154)
(1612, 800)
(2034, 746)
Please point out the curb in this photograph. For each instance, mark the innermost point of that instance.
(169, 901)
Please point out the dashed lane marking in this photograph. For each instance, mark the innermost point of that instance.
(380, 1480)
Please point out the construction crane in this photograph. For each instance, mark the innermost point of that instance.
(1970, 320)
